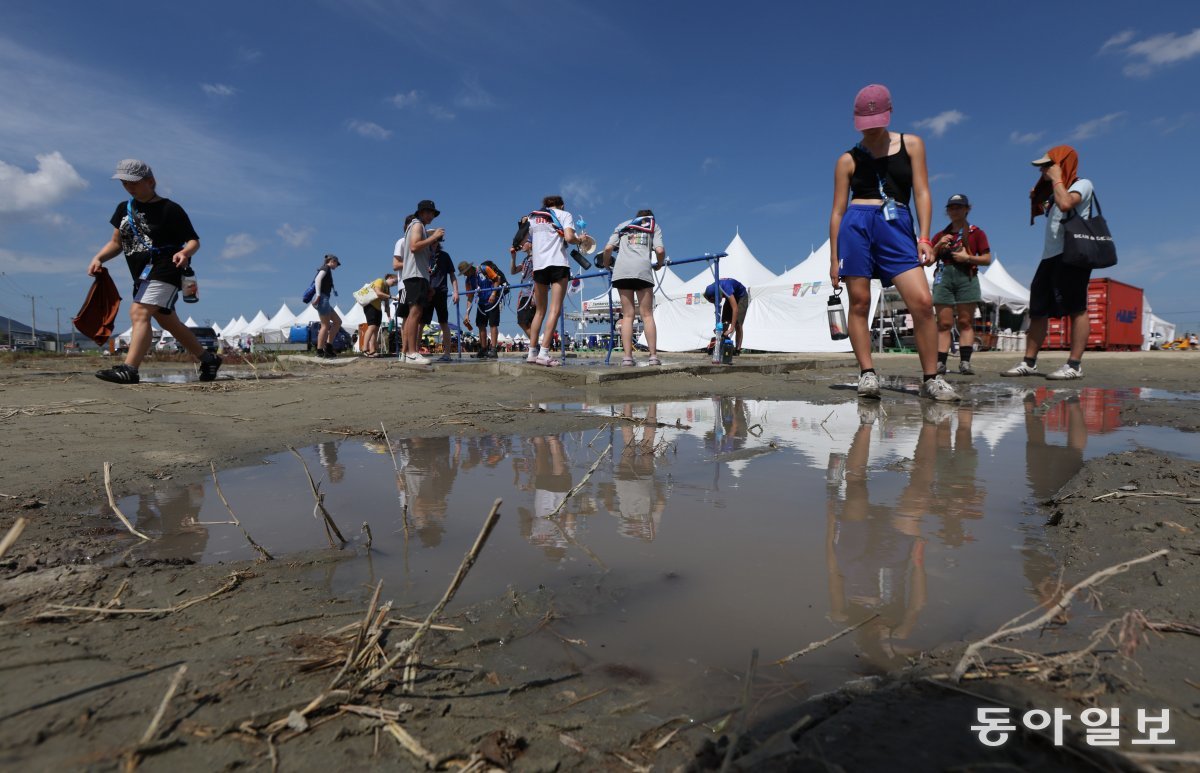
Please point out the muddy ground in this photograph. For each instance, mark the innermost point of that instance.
(262, 639)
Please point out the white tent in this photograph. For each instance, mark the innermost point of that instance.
(234, 329)
(355, 317)
(229, 327)
(739, 263)
(668, 287)
(256, 325)
(191, 323)
(308, 315)
(282, 320)
(1003, 290)
(1154, 327)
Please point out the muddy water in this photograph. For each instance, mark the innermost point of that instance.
(739, 524)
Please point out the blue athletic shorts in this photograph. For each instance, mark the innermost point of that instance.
(873, 247)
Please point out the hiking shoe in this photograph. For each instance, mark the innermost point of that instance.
(941, 368)
(209, 365)
(868, 386)
(936, 388)
(119, 374)
(1021, 369)
(965, 369)
(321, 353)
(416, 359)
(1065, 373)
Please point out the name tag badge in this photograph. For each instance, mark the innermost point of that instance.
(889, 210)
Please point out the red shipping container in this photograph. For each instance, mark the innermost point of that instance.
(1114, 313)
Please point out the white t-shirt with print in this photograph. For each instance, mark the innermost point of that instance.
(1055, 217)
(549, 249)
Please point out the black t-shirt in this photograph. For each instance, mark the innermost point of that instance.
(162, 229)
(441, 271)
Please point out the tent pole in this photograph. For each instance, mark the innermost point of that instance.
(612, 322)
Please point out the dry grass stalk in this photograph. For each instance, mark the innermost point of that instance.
(819, 644)
(399, 481)
(112, 502)
(581, 483)
(13, 535)
(331, 529)
(133, 757)
(257, 547)
(234, 580)
(971, 655)
(411, 644)
(745, 713)
(412, 745)
(1147, 495)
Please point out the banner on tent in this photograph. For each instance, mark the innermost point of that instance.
(801, 289)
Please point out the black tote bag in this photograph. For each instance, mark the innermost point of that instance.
(1087, 242)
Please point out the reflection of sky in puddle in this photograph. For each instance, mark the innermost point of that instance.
(740, 524)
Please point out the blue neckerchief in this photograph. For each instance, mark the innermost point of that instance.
(643, 224)
(549, 213)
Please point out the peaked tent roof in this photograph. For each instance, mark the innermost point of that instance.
(814, 268)
(308, 315)
(257, 325)
(739, 264)
(282, 320)
(1001, 279)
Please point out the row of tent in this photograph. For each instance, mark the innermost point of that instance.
(787, 312)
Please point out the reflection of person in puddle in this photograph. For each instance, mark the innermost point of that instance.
(640, 497)
(328, 454)
(173, 511)
(551, 482)
(874, 555)
(730, 425)
(957, 495)
(1048, 468)
(428, 477)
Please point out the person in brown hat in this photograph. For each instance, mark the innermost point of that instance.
(159, 241)
(412, 257)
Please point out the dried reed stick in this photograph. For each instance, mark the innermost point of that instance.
(331, 529)
(112, 502)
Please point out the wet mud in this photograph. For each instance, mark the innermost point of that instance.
(586, 640)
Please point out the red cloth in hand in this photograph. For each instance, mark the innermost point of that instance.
(99, 311)
(1068, 161)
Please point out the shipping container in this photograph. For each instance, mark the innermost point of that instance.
(1115, 316)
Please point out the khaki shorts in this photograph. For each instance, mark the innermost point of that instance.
(955, 287)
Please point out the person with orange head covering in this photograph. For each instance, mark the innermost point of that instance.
(1058, 290)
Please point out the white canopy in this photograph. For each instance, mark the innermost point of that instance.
(235, 328)
(739, 264)
(191, 323)
(1000, 288)
(669, 287)
(308, 315)
(256, 325)
(282, 320)
(355, 317)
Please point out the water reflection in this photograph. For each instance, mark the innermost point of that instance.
(173, 510)
(327, 452)
(637, 496)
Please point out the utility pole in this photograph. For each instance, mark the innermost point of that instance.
(58, 326)
(33, 327)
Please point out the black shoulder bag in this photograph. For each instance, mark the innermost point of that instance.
(1087, 242)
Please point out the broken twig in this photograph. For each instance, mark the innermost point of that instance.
(112, 502)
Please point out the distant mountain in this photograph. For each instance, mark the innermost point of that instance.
(21, 330)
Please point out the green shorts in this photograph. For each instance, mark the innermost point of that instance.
(956, 286)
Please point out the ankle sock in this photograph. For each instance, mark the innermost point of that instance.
(1031, 361)
(1076, 364)
(965, 352)
(866, 371)
(943, 357)
(928, 377)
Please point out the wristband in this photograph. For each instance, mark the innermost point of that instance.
(924, 241)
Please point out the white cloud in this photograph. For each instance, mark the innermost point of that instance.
(1170, 125)
(218, 89)
(368, 129)
(1024, 138)
(939, 123)
(709, 164)
(440, 113)
(1117, 41)
(21, 263)
(405, 99)
(1096, 126)
(296, 237)
(54, 180)
(248, 55)
(933, 178)
(238, 246)
(43, 98)
(473, 95)
(1153, 53)
(579, 193)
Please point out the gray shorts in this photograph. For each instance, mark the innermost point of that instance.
(153, 292)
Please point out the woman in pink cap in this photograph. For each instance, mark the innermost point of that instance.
(873, 237)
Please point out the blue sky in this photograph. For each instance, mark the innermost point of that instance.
(289, 131)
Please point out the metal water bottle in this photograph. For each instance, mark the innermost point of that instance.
(837, 316)
(191, 290)
(718, 340)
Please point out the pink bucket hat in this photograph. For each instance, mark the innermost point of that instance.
(872, 107)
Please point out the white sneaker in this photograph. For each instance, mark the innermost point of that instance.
(868, 385)
(868, 413)
(1021, 369)
(936, 388)
(1066, 373)
(416, 359)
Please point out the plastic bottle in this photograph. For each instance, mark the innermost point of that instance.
(191, 290)
(718, 343)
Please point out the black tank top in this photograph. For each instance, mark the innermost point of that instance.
(896, 171)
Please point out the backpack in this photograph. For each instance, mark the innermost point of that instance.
(310, 293)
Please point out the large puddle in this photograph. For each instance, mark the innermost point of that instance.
(712, 527)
